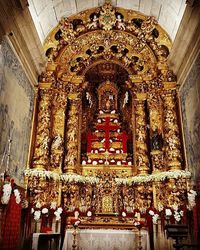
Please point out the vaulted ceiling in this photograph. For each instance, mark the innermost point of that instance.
(47, 13)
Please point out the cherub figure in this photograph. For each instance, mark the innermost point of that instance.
(94, 23)
(120, 23)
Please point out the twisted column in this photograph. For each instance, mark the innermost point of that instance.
(171, 131)
(142, 160)
(72, 133)
(156, 131)
(58, 128)
(42, 142)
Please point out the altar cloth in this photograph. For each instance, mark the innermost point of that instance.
(106, 239)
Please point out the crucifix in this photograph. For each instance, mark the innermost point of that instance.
(106, 127)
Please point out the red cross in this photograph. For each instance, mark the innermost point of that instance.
(90, 138)
(107, 128)
(123, 137)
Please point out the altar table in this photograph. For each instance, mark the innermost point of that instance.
(88, 239)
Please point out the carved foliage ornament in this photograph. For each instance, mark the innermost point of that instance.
(115, 46)
(107, 17)
(71, 31)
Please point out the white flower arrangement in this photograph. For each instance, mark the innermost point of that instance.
(191, 199)
(7, 189)
(155, 216)
(58, 213)
(58, 217)
(89, 214)
(17, 196)
(60, 210)
(151, 212)
(45, 210)
(168, 212)
(37, 215)
(154, 177)
(178, 215)
(79, 178)
(41, 173)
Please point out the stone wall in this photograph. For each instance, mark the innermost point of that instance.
(190, 102)
(16, 111)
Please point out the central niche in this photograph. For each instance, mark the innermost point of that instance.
(107, 136)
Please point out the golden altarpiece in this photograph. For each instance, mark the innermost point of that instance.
(107, 131)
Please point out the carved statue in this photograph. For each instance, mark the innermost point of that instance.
(94, 24)
(156, 140)
(108, 101)
(149, 24)
(71, 135)
(57, 143)
(119, 23)
(71, 159)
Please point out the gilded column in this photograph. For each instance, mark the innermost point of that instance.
(142, 160)
(171, 131)
(72, 145)
(42, 142)
(156, 131)
(58, 128)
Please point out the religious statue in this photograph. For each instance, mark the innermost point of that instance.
(57, 142)
(108, 102)
(156, 140)
(119, 22)
(71, 134)
(71, 159)
(94, 24)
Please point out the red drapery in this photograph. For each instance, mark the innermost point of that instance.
(11, 225)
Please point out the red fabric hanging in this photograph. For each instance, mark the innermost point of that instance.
(195, 222)
(51, 215)
(11, 227)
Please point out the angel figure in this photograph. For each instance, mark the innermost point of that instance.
(71, 135)
(94, 23)
(71, 160)
(120, 23)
